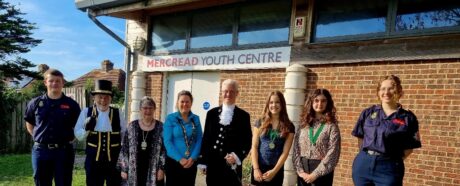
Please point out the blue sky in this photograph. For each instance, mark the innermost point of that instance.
(71, 42)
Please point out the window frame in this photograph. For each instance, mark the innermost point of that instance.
(235, 31)
(390, 31)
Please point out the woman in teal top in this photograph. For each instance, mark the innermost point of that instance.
(182, 135)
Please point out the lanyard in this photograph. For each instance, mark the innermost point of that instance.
(315, 137)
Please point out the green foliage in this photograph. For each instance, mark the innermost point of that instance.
(15, 39)
(118, 97)
(36, 88)
(89, 85)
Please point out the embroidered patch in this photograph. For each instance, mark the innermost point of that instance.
(374, 115)
(398, 121)
(65, 107)
(40, 104)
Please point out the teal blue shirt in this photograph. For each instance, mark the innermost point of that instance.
(173, 136)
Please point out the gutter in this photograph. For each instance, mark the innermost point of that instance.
(90, 14)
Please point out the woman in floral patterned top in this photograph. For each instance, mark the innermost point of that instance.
(271, 141)
(142, 155)
(317, 141)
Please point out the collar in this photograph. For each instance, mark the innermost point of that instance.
(179, 116)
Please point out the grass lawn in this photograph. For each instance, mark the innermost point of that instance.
(17, 170)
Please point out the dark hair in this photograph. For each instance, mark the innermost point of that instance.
(267, 115)
(53, 72)
(308, 114)
(185, 93)
(149, 101)
(395, 81)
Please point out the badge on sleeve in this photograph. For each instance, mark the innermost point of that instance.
(374, 115)
(40, 104)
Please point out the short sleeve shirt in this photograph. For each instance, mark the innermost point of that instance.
(269, 156)
(53, 119)
(390, 135)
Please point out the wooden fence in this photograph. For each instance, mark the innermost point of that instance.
(17, 139)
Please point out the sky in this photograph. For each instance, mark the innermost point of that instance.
(71, 42)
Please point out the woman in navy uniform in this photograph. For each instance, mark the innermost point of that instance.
(101, 125)
(386, 134)
(50, 119)
(271, 142)
(226, 140)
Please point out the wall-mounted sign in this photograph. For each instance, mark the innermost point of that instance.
(206, 105)
(299, 27)
(228, 60)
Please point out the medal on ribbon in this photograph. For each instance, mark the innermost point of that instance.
(273, 135)
(271, 145)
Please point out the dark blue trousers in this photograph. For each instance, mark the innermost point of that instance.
(53, 163)
(377, 170)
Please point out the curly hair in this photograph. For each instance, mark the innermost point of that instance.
(266, 119)
(308, 113)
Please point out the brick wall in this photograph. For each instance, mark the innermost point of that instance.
(154, 88)
(432, 92)
(254, 88)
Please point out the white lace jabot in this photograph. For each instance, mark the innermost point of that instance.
(226, 114)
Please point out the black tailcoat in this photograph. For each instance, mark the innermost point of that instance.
(219, 140)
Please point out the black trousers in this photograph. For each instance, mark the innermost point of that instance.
(218, 173)
(98, 172)
(176, 175)
(309, 166)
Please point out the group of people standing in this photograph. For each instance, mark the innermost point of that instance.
(149, 152)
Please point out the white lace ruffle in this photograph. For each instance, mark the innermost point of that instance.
(226, 115)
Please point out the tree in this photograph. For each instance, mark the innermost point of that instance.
(15, 39)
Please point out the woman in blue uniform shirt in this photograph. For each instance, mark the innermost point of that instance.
(386, 134)
(182, 138)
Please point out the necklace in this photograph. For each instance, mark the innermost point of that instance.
(273, 135)
(144, 137)
(188, 142)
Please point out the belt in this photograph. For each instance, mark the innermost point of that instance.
(373, 153)
(51, 145)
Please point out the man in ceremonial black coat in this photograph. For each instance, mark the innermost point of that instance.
(226, 140)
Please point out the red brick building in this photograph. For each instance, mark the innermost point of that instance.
(297, 46)
(107, 72)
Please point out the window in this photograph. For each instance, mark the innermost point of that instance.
(264, 23)
(169, 33)
(212, 29)
(426, 14)
(236, 26)
(337, 20)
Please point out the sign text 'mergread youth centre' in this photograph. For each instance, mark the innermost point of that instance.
(227, 60)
